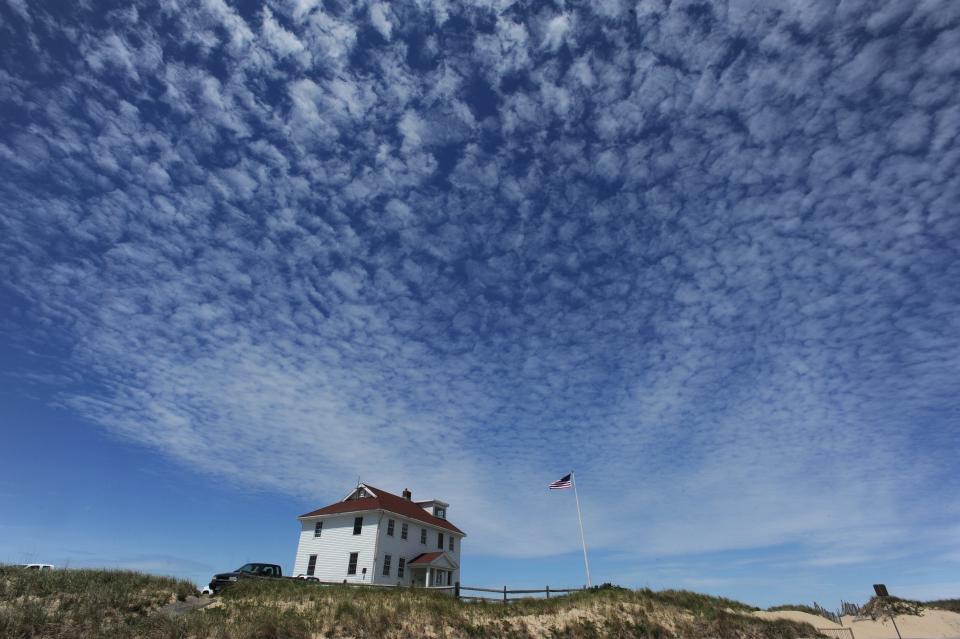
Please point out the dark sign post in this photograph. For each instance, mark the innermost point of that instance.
(881, 590)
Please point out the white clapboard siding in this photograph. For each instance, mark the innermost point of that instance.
(334, 546)
(410, 547)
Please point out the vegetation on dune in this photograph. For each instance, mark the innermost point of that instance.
(952, 605)
(880, 607)
(85, 603)
(82, 603)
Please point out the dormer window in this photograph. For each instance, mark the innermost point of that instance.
(440, 512)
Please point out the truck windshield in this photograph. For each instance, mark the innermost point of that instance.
(256, 569)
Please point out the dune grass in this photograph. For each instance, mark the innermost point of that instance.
(121, 605)
(952, 605)
(90, 603)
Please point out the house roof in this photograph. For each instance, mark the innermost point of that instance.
(388, 502)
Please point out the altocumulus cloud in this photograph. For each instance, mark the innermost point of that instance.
(706, 254)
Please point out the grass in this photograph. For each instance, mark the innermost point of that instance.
(121, 605)
(952, 605)
(93, 603)
(879, 607)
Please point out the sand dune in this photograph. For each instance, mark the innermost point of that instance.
(934, 624)
(796, 615)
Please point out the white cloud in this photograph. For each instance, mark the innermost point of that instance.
(279, 39)
(556, 32)
(379, 19)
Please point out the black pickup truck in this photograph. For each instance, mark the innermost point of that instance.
(246, 571)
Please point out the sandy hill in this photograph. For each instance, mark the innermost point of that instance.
(932, 624)
(123, 605)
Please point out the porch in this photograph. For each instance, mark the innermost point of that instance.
(432, 569)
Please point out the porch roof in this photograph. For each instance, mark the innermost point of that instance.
(425, 558)
(433, 560)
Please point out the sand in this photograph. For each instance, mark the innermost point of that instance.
(934, 624)
(796, 615)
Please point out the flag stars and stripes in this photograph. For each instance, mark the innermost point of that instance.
(563, 482)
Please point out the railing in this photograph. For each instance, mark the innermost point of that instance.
(829, 614)
(505, 592)
(456, 590)
(367, 584)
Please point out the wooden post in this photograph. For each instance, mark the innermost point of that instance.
(548, 592)
(456, 590)
(504, 594)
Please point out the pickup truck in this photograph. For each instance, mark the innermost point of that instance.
(246, 571)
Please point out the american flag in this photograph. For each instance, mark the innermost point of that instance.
(560, 484)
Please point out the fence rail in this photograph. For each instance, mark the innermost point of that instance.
(456, 590)
(364, 584)
(505, 592)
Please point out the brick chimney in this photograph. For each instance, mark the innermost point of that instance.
(407, 494)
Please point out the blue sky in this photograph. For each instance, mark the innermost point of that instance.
(704, 254)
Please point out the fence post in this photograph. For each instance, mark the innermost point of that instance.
(548, 592)
(504, 594)
(456, 590)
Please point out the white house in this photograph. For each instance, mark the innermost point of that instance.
(376, 537)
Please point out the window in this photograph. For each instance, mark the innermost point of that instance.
(440, 541)
(352, 565)
(451, 543)
(390, 527)
(423, 535)
(403, 530)
(400, 566)
(386, 565)
(449, 576)
(357, 525)
(311, 565)
(317, 528)
(440, 512)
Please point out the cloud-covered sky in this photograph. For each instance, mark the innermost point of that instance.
(705, 254)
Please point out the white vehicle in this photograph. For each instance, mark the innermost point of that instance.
(37, 566)
(206, 590)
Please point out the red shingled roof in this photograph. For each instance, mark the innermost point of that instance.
(424, 558)
(388, 502)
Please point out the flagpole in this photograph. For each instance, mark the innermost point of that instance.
(583, 540)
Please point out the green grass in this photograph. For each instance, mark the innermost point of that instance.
(94, 603)
(122, 605)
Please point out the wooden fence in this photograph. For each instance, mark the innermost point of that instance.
(505, 592)
(457, 590)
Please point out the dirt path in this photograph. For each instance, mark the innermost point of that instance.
(178, 608)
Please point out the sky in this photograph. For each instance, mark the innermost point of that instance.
(706, 255)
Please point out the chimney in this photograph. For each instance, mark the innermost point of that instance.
(407, 494)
